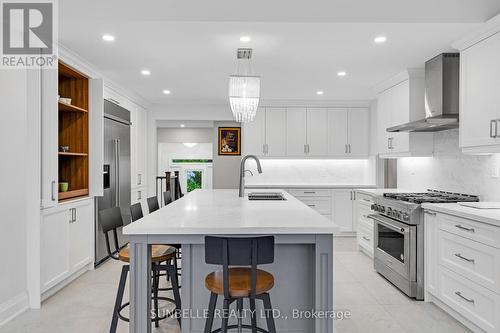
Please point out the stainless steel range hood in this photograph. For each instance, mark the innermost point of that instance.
(441, 96)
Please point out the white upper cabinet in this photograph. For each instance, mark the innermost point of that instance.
(317, 131)
(480, 96)
(276, 132)
(358, 132)
(308, 132)
(296, 131)
(254, 134)
(401, 101)
(337, 132)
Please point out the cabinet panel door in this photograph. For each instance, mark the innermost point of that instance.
(141, 143)
(337, 132)
(54, 248)
(400, 114)
(254, 134)
(96, 137)
(48, 87)
(80, 236)
(317, 131)
(384, 109)
(296, 131)
(479, 92)
(134, 146)
(342, 209)
(276, 131)
(358, 132)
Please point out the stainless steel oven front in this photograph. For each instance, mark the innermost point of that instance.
(395, 252)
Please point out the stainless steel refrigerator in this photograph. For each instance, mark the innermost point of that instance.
(116, 173)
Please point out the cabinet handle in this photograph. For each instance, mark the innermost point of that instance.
(139, 195)
(458, 255)
(308, 149)
(496, 128)
(349, 146)
(464, 228)
(429, 213)
(353, 192)
(139, 179)
(52, 190)
(309, 192)
(367, 200)
(351, 195)
(493, 133)
(366, 238)
(311, 205)
(305, 149)
(459, 294)
(388, 143)
(73, 215)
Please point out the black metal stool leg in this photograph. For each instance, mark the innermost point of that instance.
(119, 298)
(269, 313)
(253, 314)
(225, 316)
(239, 307)
(211, 311)
(175, 290)
(156, 277)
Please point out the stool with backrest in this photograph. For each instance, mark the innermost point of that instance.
(153, 205)
(239, 278)
(111, 219)
(167, 197)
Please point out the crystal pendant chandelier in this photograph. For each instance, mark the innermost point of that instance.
(244, 89)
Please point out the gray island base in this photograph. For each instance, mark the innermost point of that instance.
(302, 297)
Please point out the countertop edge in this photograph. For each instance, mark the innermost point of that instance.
(463, 212)
(307, 186)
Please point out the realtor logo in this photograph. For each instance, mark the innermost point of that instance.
(28, 34)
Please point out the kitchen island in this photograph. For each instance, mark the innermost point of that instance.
(303, 267)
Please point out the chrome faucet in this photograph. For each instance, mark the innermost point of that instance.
(242, 172)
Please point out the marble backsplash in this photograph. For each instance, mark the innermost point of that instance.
(451, 170)
(302, 171)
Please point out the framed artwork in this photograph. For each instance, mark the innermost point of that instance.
(229, 140)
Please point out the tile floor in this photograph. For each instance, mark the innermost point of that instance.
(376, 306)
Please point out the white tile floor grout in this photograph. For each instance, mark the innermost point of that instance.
(85, 305)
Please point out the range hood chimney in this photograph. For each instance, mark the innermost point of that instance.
(441, 96)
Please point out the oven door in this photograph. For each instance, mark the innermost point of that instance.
(395, 245)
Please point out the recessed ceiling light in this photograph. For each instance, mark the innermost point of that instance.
(145, 72)
(320, 92)
(341, 73)
(380, 39)
(166, 92)
(245, 39)
(182, 125)
(108, 38)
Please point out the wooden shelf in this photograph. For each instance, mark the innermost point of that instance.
(73, 194)
(72, 154)
(70, 108)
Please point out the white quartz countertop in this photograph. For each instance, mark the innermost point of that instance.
(381, 191)
(490, 216)
(221, 212)
(299, 185)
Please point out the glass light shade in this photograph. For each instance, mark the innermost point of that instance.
(244, 94)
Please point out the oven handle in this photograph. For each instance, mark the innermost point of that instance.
(389, 223)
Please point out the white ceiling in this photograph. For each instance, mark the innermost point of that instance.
(189, 46)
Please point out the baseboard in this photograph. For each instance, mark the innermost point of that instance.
(13, 307)
(56, 288)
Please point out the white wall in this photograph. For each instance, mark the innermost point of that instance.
(13, 173)
(184, 135)
(451, 170)
(320, 172)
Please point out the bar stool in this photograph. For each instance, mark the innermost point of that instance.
(167, 197)
(153, 205)
(237, 283)
(111, 219)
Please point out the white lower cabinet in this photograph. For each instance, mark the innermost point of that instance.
(364, 232)
(67, 241)
(343, 202)
(462, 271)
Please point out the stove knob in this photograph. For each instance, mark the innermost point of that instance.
(406, 217)
(399, 214)
(373, 207)
(382, 209)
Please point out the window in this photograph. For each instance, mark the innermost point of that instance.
(194, 179)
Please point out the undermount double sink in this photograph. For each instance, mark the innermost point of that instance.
(266, 196)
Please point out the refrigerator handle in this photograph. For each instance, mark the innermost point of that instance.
(117, 172)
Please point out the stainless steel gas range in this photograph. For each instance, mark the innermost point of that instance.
(399, 236)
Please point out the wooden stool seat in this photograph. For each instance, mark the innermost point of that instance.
(159, 253)
(240, 282)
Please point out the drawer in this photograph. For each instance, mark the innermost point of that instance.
(475, 261)
(310, 193)
(479, 232)
(365, 238)
(364, 199)
(476, 303)
(322, 205)
(365, 223)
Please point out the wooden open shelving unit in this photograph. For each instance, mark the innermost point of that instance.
(74, 132)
